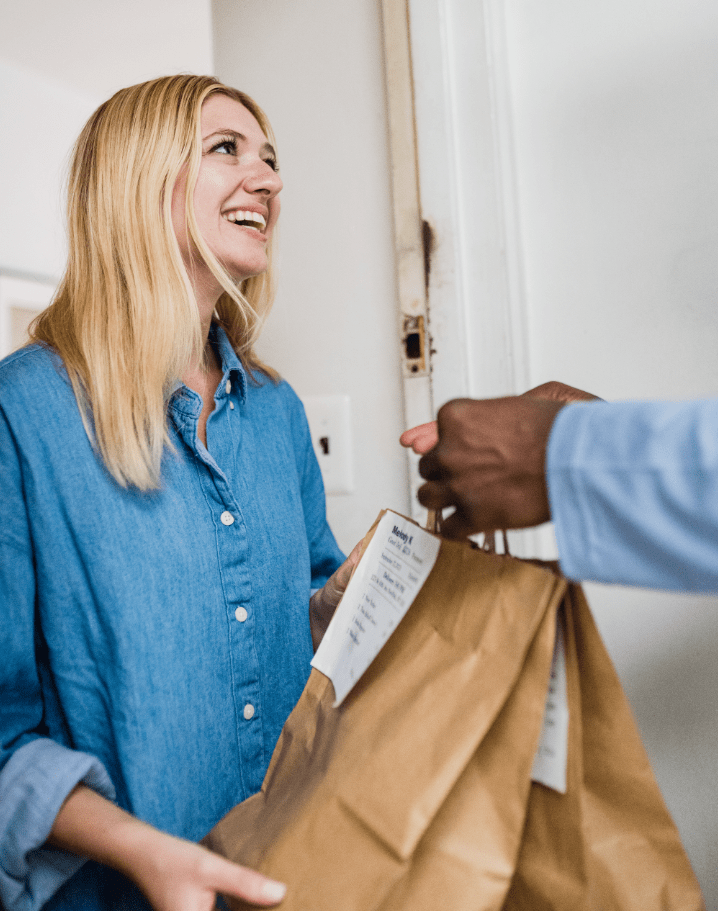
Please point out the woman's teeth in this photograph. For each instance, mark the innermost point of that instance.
(248, 219)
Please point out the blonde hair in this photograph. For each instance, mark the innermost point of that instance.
(124, 318)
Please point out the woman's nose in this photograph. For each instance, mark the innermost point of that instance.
(263, 179)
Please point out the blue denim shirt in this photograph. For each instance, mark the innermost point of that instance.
(152, 644)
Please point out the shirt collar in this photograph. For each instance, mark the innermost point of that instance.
(232, 368)
(231, 365)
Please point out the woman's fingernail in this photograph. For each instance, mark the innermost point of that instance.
(273, 891)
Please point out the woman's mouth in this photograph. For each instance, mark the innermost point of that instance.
(246, 219)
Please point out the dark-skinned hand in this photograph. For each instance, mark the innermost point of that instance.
(487, 458)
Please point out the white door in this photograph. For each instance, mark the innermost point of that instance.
(567, 166)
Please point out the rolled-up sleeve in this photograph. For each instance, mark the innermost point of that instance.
(33, 786)
(36, 773)
(633, 488)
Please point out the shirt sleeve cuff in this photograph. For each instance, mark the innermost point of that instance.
(33, 786)
(570, 518)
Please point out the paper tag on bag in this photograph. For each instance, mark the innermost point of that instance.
(551, 758)
(391, 572)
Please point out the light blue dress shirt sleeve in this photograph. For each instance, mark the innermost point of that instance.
(33, 785)
(633, 488)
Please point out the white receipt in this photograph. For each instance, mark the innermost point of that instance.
(549, 766)
(389, 576)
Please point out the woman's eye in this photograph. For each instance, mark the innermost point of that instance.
(273, 163)
(226, 147)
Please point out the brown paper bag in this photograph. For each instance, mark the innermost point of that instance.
(416, 793)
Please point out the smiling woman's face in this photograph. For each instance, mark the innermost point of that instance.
(235, 198)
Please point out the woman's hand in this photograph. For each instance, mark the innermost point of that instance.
(424, 437)
(173, 874)
(421, 438)
(177, 875)
(324, 602)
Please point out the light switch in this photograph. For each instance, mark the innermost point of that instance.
(329, 419)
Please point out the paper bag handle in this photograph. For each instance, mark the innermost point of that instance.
(433, 524)
(433, 520)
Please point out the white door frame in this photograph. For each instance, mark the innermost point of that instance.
(467, 195)
(456, 224)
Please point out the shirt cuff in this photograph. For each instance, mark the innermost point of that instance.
(565, 499)
(33, 786)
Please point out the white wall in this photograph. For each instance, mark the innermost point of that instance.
(58, 61)
(39, 120)
(616, 126)
(615, 118)
(316, 69)
(97, 48)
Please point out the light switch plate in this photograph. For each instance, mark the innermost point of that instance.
(329, 419)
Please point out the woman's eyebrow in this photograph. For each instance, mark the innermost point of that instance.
(267, 147)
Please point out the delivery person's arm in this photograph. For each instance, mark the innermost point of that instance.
(631, 487)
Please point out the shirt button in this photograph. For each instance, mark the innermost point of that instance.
(227, 518)
(241, 614)
(248, 711)
(231, 405)
(228, 387)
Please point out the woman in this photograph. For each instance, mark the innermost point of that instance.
(164, 519)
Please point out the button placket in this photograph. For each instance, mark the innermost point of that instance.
(237, 589)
